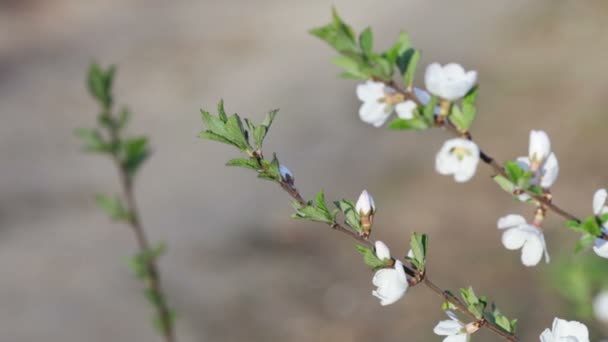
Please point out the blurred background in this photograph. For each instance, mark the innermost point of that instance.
(237, 268)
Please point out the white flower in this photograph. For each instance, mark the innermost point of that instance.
(458, 157)
(374, 109)
(391, 283)
(600, 306)
(378, 102)
(365, 204)
(599, 202)
(449, 82)
(565, 331)
(520, 234)
(453, 328)
(541, 161)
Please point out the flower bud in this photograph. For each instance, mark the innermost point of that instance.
(382, 251)
(365, 204)
(286, 175)
(366, 208)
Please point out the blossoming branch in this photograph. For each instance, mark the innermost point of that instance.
(449, 101)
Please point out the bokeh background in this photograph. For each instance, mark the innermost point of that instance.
(237, 268)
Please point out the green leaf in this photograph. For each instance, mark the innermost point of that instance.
(366, 41)
(338, 35)
(221, 113)
(468, 104)
(513, 170)
(504, 183)
(415, 124)
(225, 129)
(419, 245)
(428, 111)
(402, 44)
(113, 207)
(462, 119)
(92, 140)
(99, 83)
(135, 152)
(576, 226)
(351, 216)
(407, 63)
(590, 226)
(123, 118)
(270, 169)
(352, 68)
(260, 132)
(314, 211)
(445, 306)
(244, 163)
(475, 304)
(370, 258)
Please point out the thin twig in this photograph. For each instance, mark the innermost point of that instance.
(295, 194)
(134, 221)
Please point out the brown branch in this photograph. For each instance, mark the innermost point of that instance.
(134, 221)
(418, 277)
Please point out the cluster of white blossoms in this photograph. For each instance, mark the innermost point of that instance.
(459, 158)
(519, 234)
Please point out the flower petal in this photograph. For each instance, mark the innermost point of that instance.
(600, 306)
(563, 329)
(599, 201)
(422, 95)
(511, 221)
(457, 338)
(547, 336)
(382, 251)
(601, 248)
(370, 91)
(405, 110)
(540, 145)
(433, 78)
(550, 170)
(448, 327)
(533, 250)
(514, 238)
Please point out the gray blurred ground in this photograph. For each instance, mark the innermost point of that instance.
(238, 269)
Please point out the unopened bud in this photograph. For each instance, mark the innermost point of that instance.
(366, 208)
(286, 175)
(365, 204)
